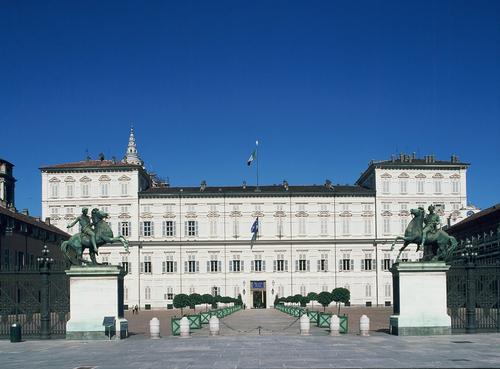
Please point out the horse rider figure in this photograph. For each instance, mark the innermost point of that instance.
(431, 222)
(85, 227)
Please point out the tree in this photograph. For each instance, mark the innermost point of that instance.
(324, 298)
(195, 299)
(207, 299)
(297, 298)
(304, 300)
(312, 296)
(341, 295)
(239, 300)
(276, 300)
(181, 301)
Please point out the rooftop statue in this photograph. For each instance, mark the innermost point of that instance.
(94, 232)
(436, 243)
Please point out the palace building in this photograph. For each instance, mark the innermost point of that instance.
(311, 238)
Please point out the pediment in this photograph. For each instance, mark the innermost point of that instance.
(85, 179)
(420, 175)
(104, 178)
(437, 175)
(386, 175)
(69, 179)
(455, 176)
(403, 175)
(54, 179)
(124, 178)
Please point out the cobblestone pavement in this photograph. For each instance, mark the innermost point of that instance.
(278, 346)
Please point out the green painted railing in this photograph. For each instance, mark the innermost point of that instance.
(313, 316)
(344, 324)
(324, 320)
(176, 326)
(205, 317)
(196, 320)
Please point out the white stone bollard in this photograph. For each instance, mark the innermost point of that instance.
(154, 328)
(364, 325)
(334, 325)
(184, 327)
(213, 323)
(305, 325)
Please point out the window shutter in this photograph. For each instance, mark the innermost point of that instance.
(319, 265)
(274, 265)
(362, 264)
(197, 266)
(142, 267)
(185, 229)
(263, 263)
(242, 263)
(352, 264)
(374, 264)
(196, 228)
(185, 266)
(163, 266)
(230, 265)
(208, 266)
(252, 265)
(129, 229)
(296, 265)
(219, 269)
(142, 228)
(340, 265)
(382, 264)
(286, 265)
(392, 261)
(173, 228)
(152, 229)
(326, 265)
(175, 267)
(308, 263)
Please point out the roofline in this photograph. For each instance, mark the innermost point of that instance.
(390, 165)
(6, 161)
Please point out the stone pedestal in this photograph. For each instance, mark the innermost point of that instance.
(96, 292)
(420, 299)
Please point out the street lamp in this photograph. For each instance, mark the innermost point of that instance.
(44, 263)
(469, 256)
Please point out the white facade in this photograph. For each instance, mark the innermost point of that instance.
(311, 238)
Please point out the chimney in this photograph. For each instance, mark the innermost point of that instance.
(328, 183)
(47, 220)
(244, 185)
(285, 184)
(25, 212)
(401, 157)
(203, 185)
(101, 156)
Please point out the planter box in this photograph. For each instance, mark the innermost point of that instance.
(313, 316)
(194, 321)
(175, 324)
(344, 324)
(324, 320)
(205, 317)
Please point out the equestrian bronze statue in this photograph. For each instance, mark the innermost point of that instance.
(94, 232)
(436, 243)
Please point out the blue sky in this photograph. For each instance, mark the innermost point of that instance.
(325, 86)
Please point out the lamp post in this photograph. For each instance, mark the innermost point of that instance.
(469, 256)
(44, 262)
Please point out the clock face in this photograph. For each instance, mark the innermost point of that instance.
(469, 213)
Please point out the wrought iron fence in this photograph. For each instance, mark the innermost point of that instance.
(21, 296)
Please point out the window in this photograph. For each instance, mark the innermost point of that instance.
(386, 206)
(104, 189)
(170, 294)
(437, 186)
(346, 263)
(169, 265)
(236, 265)
(385, 186)
(146, 208)
(420, 186)
(302, 226)
(404, 257)
(279, 227)
(126, 265)
(213, 228)
(54, 190)
(303, 290)
(70, 189)
(147, 229)
(169, 208)
(368, 290)
(258, 265)
(281, 290)
(85, 189)
(191, 208)
(403, 184)
(191, 228)
(280, 264)
(213, 265)
(455, 186)
(387, 225)
(302, 265)
(124, 229)
(345, 207)
(346, 223)
(147, 293)
(236, 291)
(215, 291)
(191, 266)
(386, 261)
(213, 208)
(387, 289)
(70, 210)
(124, 209)
(455, 206)
(302, 207)
(324, 227)
(404, 223)
(323, 207)
(367, 207)
(323, 263)
(54, 210)
(368, 263)
(168, 228)
(236, 227)
(146, 266)
(125, 293)
(368, 226)
(124, 187)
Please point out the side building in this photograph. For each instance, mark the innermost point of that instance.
(311, 238)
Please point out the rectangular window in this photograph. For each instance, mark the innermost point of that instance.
(302, 226)
(455, 206)
(323, 263)
(213, 265)
(147, 229)
(404, 223)
(236, 265)
(403, 184)
(420, 186)
(346, 263)
(85, 189)
(146, 208)
(236, 227)
(324, 227)
(386, 261)
(213, 228)
(191, 266)
(215, 291)
(213, 208)
(124, 187)
(368, 263)
(104, 189)
(346, 225)
(368, 226)
(280, 264)
(54, 190)
(258, 265)
(455, 186)
(437, 186)
(124, 229)
(385, 186)
(386, 206)
(169, 265)
(345, 208)
(302, 265)
(191, 228)
(126, 266)
(387, 290)
(387, 225)
(70, 190)
(146, 266)
(279, 227)
(54, 210)
(368, 290)
(168, 228)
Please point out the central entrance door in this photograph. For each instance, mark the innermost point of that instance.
(258, 289)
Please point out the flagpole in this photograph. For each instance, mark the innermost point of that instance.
(257, 163)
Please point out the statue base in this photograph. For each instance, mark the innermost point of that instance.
(419, 299)
(96, 303)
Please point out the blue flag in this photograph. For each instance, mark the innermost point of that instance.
(255, 231)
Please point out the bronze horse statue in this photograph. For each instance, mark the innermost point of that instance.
(74, 247)
(439, 246)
